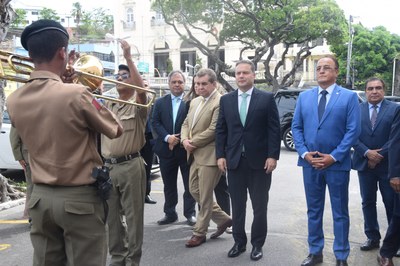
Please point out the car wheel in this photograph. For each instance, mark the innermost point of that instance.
(288, 139)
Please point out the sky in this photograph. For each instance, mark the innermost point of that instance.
(370, 13)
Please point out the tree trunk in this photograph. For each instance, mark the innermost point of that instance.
(8, 192)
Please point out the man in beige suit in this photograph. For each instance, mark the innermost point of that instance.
(198, 139)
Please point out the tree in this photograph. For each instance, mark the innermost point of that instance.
(372, 55)
(76, 13)
(260, 27)
(20, 18)
(48, 13)
(96, 24)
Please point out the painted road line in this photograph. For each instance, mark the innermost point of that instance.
(24, 221)
(4, 246)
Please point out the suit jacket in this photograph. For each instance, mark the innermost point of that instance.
(337, 131)
(394, 147)
(260, 135)
(162, 125)
(202, 130)
(377, 138)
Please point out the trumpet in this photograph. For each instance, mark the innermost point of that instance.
(88, 68)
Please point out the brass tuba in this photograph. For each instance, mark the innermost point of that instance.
(88, 68)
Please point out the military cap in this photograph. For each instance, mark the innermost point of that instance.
(123, 67)
(40, 26)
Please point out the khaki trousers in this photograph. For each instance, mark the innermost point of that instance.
(202, 181)
(126, 199)
(68, 226)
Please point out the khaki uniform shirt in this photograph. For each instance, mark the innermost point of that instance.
(58, 124)
(133, 121)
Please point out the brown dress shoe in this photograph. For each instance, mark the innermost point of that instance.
(382, 261)
(195, 241)
(221, 229)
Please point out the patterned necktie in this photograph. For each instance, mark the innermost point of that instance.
(243, 108)
(175, 108)
(322, 104)
(374, 115)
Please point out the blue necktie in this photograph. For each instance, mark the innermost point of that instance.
(243, 108)
(175, 108)
(322, 104)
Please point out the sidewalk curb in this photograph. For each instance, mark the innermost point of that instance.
(12, 203)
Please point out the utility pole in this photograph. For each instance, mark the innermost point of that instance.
(349, 51)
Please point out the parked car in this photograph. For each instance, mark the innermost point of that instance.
(286, 101)
(395, 99)
(7, 160)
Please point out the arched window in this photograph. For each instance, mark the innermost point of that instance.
(129, 16)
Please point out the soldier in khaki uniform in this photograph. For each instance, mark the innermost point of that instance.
(127, 168)
(21, 155)
(58, 124)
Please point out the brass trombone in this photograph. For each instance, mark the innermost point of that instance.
(88, 68)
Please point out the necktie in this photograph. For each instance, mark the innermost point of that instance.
(243, 108)
(175, 108)
(374, 115)
(322, 104)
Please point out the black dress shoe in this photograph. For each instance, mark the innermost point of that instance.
(397, 253)
(191, 220)
(341, 263)
(256, 253)
(149, 200)
(236, 250)
(370, 245)
(167, 220)
(312, 260)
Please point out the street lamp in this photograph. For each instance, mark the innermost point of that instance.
(349, 51)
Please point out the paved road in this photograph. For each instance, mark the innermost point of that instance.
(286, 243)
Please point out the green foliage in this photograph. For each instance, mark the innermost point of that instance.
(260, 26)
(20, 18)
(93, 24)
(372, 55)
(47, 13)
(169, 66)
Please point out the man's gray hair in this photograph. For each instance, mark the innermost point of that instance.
(176, 72)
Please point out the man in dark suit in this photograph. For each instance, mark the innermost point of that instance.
(370, 158)
(326, 124)
(168, 115)
(391, 242)
(248, 147)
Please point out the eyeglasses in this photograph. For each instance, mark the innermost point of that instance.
(123, 76)
(324, 68)
(378, 88)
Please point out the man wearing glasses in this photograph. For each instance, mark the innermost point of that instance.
(326, 124)
(370, 158)
(127, 169)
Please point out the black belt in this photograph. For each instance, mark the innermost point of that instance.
(122, 158)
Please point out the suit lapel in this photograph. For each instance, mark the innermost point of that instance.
(315, 106)
(365, 117)
(381, 114)
(252, 105)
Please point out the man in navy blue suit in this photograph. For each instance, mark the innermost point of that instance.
(391, 243)
(326, 124)
(370, 158)
(169, 112)
(248, 147)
